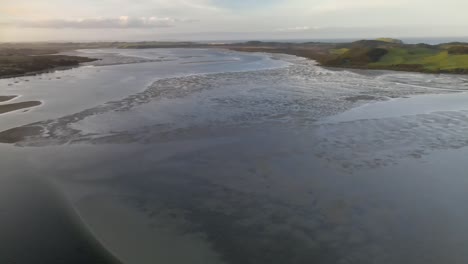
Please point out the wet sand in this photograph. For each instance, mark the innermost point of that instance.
(18, 134)
(5, 108)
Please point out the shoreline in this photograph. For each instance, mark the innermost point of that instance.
(270, 50)
(338, 67)
(48, 70)
(27, 63)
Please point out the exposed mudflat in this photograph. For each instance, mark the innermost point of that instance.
(7, 98)
(5, 108)
(211, 156)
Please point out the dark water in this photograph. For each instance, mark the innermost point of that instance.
(274, 160)
(38, 227)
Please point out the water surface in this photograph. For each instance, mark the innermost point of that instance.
(212, 156)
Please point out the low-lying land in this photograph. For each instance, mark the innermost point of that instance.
(19, 63)
(381, 54)
(17, 59)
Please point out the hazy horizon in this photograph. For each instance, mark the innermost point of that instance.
(202, 20)
(406, 40)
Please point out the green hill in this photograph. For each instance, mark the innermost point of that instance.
(390, 40)
(394, 55)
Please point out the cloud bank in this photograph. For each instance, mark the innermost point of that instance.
(96, 23)
(64, 19)
(297, 29)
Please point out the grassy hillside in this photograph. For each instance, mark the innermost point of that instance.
(390, 40)
(393, 55)
(427, 60)
(383, 53)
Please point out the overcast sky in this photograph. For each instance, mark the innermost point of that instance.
(80, 20)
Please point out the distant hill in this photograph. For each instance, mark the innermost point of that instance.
(382, 53)
(390, 40)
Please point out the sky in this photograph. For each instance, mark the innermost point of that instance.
(136, 20)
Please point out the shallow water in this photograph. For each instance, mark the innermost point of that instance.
(69, 91)
(423, 104)
(211, 156)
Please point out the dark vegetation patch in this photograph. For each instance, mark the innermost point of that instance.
(15, 65)
(24, 51)
(460, 50)
(357, 56)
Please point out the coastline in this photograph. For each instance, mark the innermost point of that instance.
(25, 64)
(338, 67)
(323, 53)
(33, 73)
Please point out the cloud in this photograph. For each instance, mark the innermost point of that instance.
(297, 29)
(336, 5)
(90, 23)
(246, 5)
